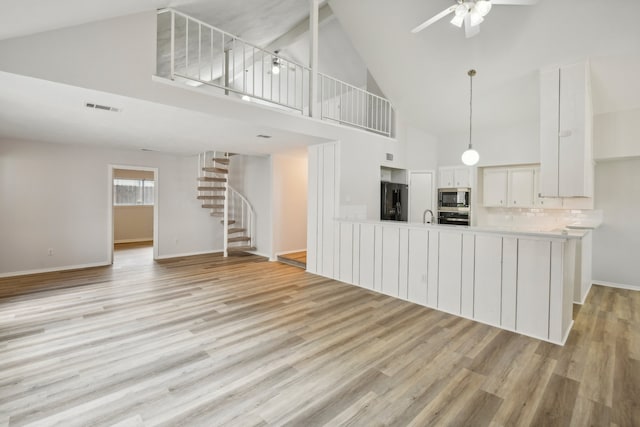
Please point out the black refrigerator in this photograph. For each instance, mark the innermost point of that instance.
(394, 200)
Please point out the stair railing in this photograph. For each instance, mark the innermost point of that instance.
(242, 212)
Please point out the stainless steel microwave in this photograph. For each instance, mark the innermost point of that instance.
(454, 198)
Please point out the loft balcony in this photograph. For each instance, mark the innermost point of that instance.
(200, 55)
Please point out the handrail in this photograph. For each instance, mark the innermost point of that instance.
(347, 104)
(246, 216)
(207, 55)
(177, 12)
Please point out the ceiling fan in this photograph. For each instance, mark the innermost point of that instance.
(470, 13)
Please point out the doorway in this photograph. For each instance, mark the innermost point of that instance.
(133, 214)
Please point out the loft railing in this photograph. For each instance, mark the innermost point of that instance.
(201, 54)
(348, 104)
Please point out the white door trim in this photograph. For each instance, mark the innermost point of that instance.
(110, 237)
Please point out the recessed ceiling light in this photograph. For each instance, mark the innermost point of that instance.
(263, 136)
(95, 106)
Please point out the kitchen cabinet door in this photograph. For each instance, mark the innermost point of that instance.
(521, 188)
(462, 177)
(494, 187)
(566, 118)
(446, 178)
(450, 272)
(534, 268)
(543, 202)
(418, 259)
(487, 301)
(390, 260)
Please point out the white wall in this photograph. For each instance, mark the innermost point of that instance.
(617, 134)
(56, 196)
(509, 145)
(289, 202)
(251, 176)
(616, 243)
(360, 160)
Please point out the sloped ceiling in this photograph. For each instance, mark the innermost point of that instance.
(425, 74)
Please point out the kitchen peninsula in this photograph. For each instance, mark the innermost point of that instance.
(514, 280)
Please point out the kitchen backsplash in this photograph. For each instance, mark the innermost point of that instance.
(534, 218)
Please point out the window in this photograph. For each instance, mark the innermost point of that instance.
(132, 192)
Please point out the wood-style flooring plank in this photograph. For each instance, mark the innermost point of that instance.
(215, 341)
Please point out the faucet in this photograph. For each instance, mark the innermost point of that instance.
(424, 216)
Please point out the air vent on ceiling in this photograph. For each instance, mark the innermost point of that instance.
(263, 136)
(102, 107)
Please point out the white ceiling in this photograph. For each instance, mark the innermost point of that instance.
(40, 110)
(425, 74)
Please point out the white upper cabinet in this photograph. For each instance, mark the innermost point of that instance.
(566, 121)
(494, 187)
(521, 188)
(544, 202)
(509, 187)
(454, 177)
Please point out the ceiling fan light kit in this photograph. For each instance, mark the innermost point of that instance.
(471, 13)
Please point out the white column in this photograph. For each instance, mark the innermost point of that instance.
(313, 59)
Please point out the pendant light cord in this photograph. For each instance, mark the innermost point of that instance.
(471, 74)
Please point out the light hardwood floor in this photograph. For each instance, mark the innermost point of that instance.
(240, 341)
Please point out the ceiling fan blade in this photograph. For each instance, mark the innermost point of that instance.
(515, 2)
(470, 30)
(436, 18)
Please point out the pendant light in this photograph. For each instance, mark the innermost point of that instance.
(470, 157)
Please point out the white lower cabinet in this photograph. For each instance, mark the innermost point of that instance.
(391, 259)
(533, 287)
(509, 283)
(488, 276)
(515, 282)
(417, 268)
(450, 272)
(367, 255)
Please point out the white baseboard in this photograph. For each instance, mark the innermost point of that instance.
(132, 240)
(217, 251)
(584, 298)
(616, 285)
(290, 252)
(54, 269)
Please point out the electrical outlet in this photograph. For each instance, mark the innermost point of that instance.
(50, 252)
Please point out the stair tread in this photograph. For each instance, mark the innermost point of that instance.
(221, 160)
(240, 248)
(238, 239)
(236, 230)
(212, 206)
(211, 188)
(211, 179)
(215, 170)
(210, 197)
(231, 221)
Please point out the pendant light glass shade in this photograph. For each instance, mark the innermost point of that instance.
(470, 157)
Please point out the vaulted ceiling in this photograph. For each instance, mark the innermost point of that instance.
(425, 74)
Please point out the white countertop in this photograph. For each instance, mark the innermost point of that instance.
(561, 233)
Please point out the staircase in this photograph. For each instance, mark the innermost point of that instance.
(224, 202)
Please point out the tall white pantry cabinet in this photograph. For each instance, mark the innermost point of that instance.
(566, 123)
